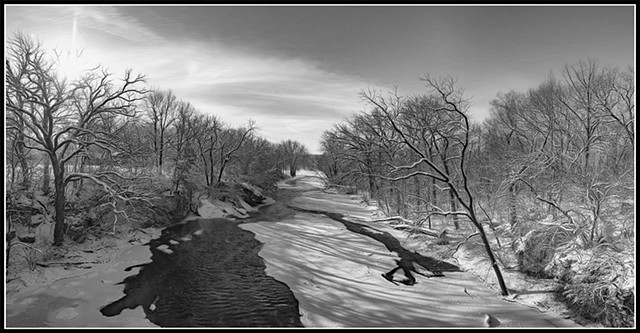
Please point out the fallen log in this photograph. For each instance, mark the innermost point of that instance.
(410, 225)
(66, 263)
(419, 230)
(392, 218)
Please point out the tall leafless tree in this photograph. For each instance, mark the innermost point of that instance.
(58, 116)
(452, 107)
(161, 108)
(294, 152)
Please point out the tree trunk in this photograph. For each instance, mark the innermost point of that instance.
(293, 166)
(13, 176)
(513, 216)
(378, 195)
(587, 148)
(492, 258)
(207, 175)
(452, 198)
(388, 193)
(453, 206)
(80, 167)
(222, 166)
(24, 165)
(427, 207)
(46, 179)
(58, 231)
(434, 192)
(155, 146)
(160, 157)
(372, 184)
(211, 171)
(417, 191)
(399, 202)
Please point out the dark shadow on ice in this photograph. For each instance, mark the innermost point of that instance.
(407, 258)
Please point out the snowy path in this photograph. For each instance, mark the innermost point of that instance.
(335, 274)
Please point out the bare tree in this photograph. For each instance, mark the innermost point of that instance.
(161, 108)
(58, 116)
(230, 142)
(567, 144)
(294, 153)
(580, 99)
(207, 130)
(615, 96)
(184, 130)
(452, 107)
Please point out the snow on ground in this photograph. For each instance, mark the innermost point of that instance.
(214, 208)
(210, 209)
(71, 298)
(336, 274)
(72, 301)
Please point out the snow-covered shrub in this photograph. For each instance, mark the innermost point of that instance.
(603, 288)
(263, 179)
(538, 247)
(564, 259)
(251, 194)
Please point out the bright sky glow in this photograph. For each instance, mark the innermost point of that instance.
(297, 70)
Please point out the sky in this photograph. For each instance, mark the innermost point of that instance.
(298, 70)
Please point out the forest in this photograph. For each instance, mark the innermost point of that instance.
(549, 176)
(546, 183)
(103, 150)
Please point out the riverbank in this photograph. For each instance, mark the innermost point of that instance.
(70, 260)
(68, 286)
(69, 296)
(336, 274)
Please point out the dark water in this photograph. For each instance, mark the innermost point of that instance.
(216, 279)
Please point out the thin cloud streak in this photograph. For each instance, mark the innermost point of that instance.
(106, 20)
(289, 97)
(265, 86)
(280, 65)
(238, 86)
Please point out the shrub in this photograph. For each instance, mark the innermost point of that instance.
(538, 248)
(602, 289)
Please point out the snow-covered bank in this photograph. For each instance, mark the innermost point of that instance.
(73, 298)
(71, 295)
(336, 274)
(233, 207)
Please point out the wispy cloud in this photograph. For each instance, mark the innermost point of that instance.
(288, 96)
(239, 85)
(102, 19)
(111, 20)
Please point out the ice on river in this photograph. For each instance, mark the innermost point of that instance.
(336, 274)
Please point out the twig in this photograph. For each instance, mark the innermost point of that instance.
(460, 244)
(23, 244)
